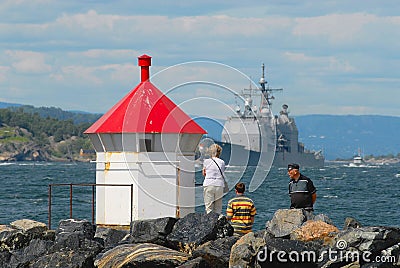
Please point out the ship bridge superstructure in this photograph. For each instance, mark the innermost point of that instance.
(253, 135)
(253, 126)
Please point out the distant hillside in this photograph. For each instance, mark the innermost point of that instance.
(341, 136)
(6, 105)
(57, 113)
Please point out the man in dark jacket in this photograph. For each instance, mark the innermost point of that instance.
(302, 191)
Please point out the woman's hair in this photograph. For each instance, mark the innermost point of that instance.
(215, 150)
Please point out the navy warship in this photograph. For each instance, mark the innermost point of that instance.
(253, 136)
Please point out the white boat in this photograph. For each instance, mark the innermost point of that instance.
(358, 160)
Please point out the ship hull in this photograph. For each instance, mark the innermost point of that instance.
(237, 155)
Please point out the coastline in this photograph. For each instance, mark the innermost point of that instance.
(371, 161)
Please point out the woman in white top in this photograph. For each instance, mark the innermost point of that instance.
(213, 171)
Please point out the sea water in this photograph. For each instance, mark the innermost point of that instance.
(370, 194)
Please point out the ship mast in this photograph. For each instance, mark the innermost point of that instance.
(266, 91)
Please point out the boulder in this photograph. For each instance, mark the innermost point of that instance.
(36, 248)
(80, 253)
(65, 259)
(372, 239)
(29, 226)
(282, 253)
(196, 229)
(285, 221)
(216, 252)
(341, 264)
(392, 251)
(74, 226)
(351, 223)
(4, 258)
(75, 242)
(198, 262)
(151, 231)
(109, 237)
(312, 230)
(244, 251)
(74, 246)
(23, 241)
(324, 218)
(140, 255)
(361, 246)
(11, 238)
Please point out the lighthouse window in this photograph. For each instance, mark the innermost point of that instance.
(145, 145)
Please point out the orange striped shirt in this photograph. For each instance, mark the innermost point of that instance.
(240, 212)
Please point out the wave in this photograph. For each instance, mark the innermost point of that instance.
(35, 164)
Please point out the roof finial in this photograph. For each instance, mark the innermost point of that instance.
(144, 63)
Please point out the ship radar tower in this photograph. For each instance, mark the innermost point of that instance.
(266, 91)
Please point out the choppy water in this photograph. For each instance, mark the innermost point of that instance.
(369, 194)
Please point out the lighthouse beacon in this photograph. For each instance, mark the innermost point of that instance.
(145, 147)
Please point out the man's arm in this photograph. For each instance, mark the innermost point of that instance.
(314, 197)
(313, 190)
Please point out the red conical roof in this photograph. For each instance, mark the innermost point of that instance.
(145, 110)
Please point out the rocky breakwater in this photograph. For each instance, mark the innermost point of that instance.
(200, 240)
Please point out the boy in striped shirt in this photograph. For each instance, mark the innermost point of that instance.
(241, 211)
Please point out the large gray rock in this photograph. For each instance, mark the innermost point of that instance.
(393, 251)
(74, 246)
(351, 223)
(11, 238)
(216, 252)
(36, 248)
(5, 258)
(196, 229)
(74, 234)
(75, 242)
(23, 241)
(69, 251)
(282, 253)
(65, 259)
(323, 218)
(75, 226)
(27, 243)
(140, 255)
(110, 237)
(198, 262)
(244, 251)
(372, 239)
(285, 221)
(362, 245)
(29, 226)
(151, 231)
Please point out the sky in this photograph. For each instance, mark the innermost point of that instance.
(329, 57)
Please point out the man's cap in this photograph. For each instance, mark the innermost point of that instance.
(293, 166)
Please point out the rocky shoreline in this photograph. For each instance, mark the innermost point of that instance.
(200, 240)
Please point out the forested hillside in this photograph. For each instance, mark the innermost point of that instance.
(30, 136)
(57, 113)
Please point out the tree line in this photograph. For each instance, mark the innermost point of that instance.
(40, 126)
(57, 113)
